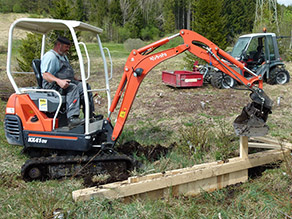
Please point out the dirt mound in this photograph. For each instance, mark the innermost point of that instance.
(114, 172)
(150, 152)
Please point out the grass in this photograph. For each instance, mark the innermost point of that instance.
(253, 199)
(266, 197)
(117, 50)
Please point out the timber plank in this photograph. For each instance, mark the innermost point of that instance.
(273, 141)
(262, 145)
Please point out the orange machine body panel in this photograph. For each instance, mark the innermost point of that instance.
(22, 106)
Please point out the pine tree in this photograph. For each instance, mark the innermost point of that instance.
(79, 11)
(209, 21)
(98, 12)
(168, 15)
(61, 10)
(115, 12)
(240, 16)
(29, 49)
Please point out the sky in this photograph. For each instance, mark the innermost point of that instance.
(285, 2)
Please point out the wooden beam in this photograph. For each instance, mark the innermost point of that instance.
(273, 141)
(185, 181)
(262, 145)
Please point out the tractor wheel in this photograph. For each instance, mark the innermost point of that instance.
(278, 76)
(222, 81)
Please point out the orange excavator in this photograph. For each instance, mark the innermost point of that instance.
(59, 151)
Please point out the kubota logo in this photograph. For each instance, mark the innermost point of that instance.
(161, 55)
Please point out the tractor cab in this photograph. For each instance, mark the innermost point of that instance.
(260, 53)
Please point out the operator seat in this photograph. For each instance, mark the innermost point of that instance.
(258, 54)
(53, 102)
(36, 65)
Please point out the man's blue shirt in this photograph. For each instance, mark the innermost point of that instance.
(50, 63)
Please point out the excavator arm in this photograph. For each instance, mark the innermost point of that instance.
(141, 61)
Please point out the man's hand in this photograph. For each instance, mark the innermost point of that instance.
(63, 83)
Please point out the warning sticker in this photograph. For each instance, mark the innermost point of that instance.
(43, 104)
(122, 114)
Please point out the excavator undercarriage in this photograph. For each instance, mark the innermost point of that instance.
(56, 167)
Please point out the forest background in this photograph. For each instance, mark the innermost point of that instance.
(221, 21)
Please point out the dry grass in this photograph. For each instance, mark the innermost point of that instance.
(5, 21)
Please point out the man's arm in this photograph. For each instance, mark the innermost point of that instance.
(63, 83)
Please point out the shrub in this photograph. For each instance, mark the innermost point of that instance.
(3, 49)
(225, 139)
(30, 49)
(123, 34)
(17, 8)
(149, 33)
(194, 139)
(131, 44)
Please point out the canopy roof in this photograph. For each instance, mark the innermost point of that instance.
(46, 25)
(258, 35)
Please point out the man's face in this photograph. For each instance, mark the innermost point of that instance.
(63, 49)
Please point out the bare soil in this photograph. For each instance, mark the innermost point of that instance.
(170, 107)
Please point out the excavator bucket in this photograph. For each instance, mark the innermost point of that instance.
(252, 120)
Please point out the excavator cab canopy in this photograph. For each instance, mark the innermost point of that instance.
(44, 27)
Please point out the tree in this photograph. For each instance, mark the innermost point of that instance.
(168, 15)
(115, 12)
(98, 12)
(61, 10)
(209, 21)
(30, 49)
(79, 11)
(240, 16)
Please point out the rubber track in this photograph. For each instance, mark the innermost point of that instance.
(45, 162)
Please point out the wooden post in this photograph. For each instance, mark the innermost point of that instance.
(243, 147)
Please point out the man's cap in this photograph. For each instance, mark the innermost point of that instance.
(64, 40)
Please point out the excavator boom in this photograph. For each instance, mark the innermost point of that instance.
(141, 61)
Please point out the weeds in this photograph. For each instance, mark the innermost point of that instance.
(147, 134)
(201, 139)
(287, 162)
(194, 139)
(225, 142)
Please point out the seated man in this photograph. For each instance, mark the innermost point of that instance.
(59, 75)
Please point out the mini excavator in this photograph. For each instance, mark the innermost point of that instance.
(35, 116)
